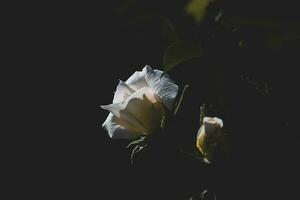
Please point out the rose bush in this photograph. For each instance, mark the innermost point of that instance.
(209, 136)
(139, 103)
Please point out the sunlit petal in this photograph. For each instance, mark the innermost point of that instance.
(162, 86)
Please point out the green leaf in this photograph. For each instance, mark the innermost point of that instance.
(197, 8)
(179, 52)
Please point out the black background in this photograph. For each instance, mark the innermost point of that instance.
(80, 51)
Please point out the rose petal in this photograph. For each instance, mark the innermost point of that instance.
(137, 80)
(123, 91)
(163, 86)
(117, 131)
(201, 139)
(213, 120)
(146, 108)
(212, 126)
(141, 112)
(128, 119)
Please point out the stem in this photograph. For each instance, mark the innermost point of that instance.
(180, 100)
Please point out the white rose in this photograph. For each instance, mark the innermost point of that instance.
(137, 106)
(209, 136)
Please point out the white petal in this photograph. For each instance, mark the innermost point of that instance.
(117, 131)
(213, 120)
(201, 139)
(137, 81)
(211, 127)
(145, 108)
(141, 112)
(123, 91)
(113, 108)
(127, 118)
(163, 86)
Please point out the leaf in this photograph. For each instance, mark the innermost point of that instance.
(179, 52)
(197, 9)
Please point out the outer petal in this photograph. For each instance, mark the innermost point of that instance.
(216, 121)
(137, 81)
(200, 143)
(123, 91)
(117, 131)
(141, 112)
(210, 128)
(127, 119)
(163, 86)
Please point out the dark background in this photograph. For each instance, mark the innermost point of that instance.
(81, 51)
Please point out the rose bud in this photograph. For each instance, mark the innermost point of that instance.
(209, 137)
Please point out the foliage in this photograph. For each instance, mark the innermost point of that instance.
(197, 9)
(179, 52)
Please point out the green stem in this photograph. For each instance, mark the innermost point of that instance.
(180, 100)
